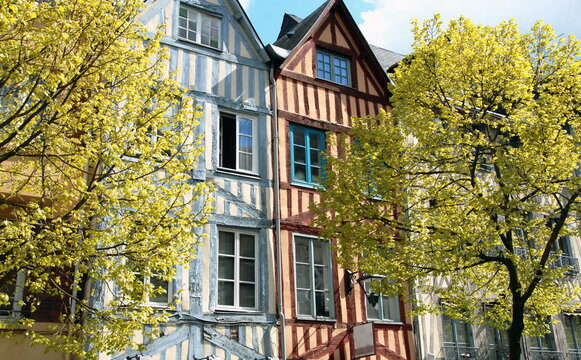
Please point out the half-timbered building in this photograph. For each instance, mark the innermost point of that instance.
(225, 310)
(326, 73)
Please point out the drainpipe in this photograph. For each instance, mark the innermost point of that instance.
(277, 214)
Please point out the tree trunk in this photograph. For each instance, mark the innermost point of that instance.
(516, 329)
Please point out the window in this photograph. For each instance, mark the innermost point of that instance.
(158, 298)
(307, 146)
(386, 309)
(14, 288)
(238, 143)
(543, 347)
(199, 27)
(313, 277)
(497, 341)
(458, 342)
(333, 67)
(572, 326)
(237, 283)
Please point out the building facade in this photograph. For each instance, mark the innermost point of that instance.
(326, 73)
(225, 311)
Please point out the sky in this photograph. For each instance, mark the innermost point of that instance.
(386, 23)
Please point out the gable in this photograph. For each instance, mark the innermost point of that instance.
(336, 33)
(237, 37)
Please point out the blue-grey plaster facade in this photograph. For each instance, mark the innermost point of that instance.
(232, 78)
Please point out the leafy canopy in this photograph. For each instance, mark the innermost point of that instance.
(96, 151)
(466, 188)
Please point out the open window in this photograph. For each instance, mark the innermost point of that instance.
(307, 146)
(238, 143)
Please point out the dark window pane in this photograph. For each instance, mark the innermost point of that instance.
(298, 136)
(225, 293)
(247, 295)
(299, 155)
(302, 249)
(228, 142)
(163, 297)
(247, 270)
(226, 243)
(315, 158)
(321, 278)
(247, 245)
(315, 140)
(322, 303)
(226, 268)
(319, 252)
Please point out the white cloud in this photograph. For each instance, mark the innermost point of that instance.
(388, 24)
(245, 3)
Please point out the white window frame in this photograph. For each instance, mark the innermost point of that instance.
(237, 150)
(237, 281)
(312, 290)
(16, 301)
(169, 293)
(199, 16)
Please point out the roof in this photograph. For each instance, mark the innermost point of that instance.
(288, 22)
(386, 58)
(289, 39)
(293, 29)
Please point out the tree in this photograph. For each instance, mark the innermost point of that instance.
(467, 187)
(97, 150)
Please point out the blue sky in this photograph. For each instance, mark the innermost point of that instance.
(386, 23)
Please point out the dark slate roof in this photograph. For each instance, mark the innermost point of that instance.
(386, 58)
(293, 35)
(288, 22)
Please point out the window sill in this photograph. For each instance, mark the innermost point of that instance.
(386, 322)
(316, 319)
(199, 44)
(228, 171)
(313, 186)
(350, 86)
(236, 311)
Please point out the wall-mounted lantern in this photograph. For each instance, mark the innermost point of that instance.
(365, 281)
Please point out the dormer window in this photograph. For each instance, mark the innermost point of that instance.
(199, 27)
(333, 67)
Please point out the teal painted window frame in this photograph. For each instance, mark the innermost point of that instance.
(304, 143)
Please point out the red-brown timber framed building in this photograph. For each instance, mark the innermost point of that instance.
(325, 74)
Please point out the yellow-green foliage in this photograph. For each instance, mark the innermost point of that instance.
(483, 141)
(96, 151)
